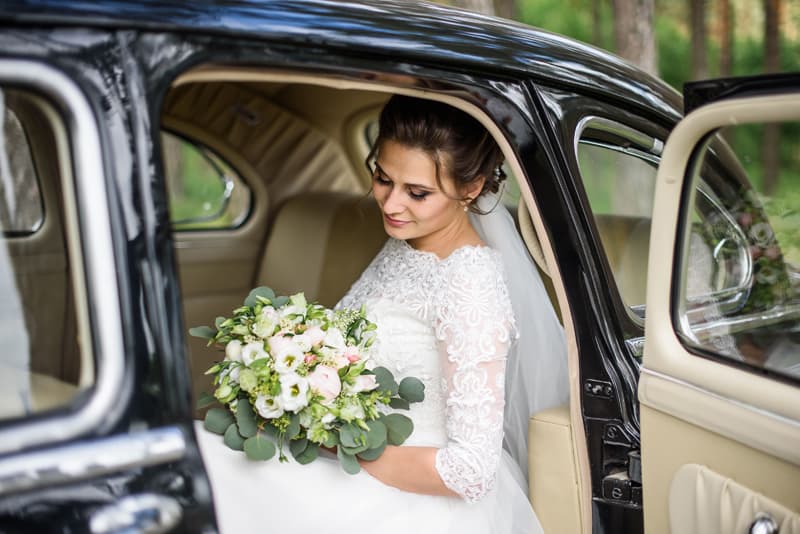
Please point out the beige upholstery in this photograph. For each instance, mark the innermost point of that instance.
(626, 241)
(553, 472)
(288, 153)
(702, 501)
(320, 244)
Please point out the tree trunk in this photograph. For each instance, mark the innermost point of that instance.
(725, 38)
(597, 35)
(633, 33)
(506, 9)
(769, 148)
(481, 6)
(697, 9)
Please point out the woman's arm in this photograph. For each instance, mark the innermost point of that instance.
(409, 469)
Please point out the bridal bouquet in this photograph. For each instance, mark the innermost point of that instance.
(298, 374)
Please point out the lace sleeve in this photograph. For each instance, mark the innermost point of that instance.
(474, 327)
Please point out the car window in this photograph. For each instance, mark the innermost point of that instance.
(205, 193)
(42, 363)
(20, 197)
(740, 266)
(618, 167)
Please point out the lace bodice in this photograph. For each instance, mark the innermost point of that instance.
(448, 322)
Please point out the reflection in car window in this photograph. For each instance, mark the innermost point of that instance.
(620, 182)
(204, 191)
(20, 198)
(740, 294)
(41, 364)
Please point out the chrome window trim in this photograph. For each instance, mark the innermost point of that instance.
(91, 459)
(99, 275)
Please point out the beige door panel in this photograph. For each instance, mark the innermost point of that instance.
(740, 425)
(705, 502)
(672, 443)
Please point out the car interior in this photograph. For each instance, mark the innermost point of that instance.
(292, 211)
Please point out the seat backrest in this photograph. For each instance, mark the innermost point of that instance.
(319, 243)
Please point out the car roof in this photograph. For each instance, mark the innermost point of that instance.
(427, 32)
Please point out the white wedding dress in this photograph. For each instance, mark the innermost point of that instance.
(448, 322)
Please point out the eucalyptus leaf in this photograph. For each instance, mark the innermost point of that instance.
(297, 446)
(246, 419)
(259, 447)
(218, 322)
(205, 400)
(412, 389)
(218, 420)
(354, 450)
(351, 436)
(205, 332)
(332, 441)
(263, 291)
(399, 427)
(280, 301)
(349, 463)
(377, 434)
(293, 430)
(399, 404)
(373, 453)
(233, 439)
(308, 455)
(385, 380)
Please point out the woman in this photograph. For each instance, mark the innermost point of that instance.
(438, 294)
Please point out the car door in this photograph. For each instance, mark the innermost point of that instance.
(95, 418)
(720, 380)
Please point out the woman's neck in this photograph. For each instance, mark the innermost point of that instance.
(445, 241)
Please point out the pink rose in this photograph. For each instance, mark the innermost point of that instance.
(364, 383)
(340, 360)
(325, 381)
(773, 253)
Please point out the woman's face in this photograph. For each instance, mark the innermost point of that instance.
(414, 206)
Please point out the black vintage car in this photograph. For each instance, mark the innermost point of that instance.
(159, 159)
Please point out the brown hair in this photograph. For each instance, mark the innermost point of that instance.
(454, 140)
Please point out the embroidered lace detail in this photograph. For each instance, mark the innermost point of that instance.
(462, 305)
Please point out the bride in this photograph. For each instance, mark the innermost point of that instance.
(459, 305)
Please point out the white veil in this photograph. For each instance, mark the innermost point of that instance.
(536, 370)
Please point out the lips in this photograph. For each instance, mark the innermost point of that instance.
(396, 223)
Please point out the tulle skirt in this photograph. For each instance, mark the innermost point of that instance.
(276, 497)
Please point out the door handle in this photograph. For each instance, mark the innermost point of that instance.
(145, 513)
(763, 524)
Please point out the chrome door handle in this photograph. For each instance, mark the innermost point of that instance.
(763, 524)
(145, 513)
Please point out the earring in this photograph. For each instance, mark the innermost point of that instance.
(465, 203)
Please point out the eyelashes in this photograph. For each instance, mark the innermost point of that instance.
(416, 195)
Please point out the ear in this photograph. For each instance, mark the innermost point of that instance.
(474, 189)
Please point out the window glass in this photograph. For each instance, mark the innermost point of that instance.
(620, 182)
(41, 363)
(204, 191)
(740, 280)
(20, 198)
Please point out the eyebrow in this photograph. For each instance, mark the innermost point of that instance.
(425, 187)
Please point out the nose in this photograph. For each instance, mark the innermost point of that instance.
(393, 202)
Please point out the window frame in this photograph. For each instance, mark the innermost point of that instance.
(91, 253)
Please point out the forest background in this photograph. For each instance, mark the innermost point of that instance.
(683, 40)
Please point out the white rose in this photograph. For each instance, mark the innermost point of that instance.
(233, 350)
(253, 351)
(316, 335)
(235, 374)
(294, 392)
(335, 339)
(267, 407)
(303, 342)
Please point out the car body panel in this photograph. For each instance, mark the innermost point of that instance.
(737, 424)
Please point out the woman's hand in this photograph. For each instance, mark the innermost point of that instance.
(409, 469)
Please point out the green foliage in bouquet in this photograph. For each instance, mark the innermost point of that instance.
(299, 375)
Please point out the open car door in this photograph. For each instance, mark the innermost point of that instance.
(720, 381)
